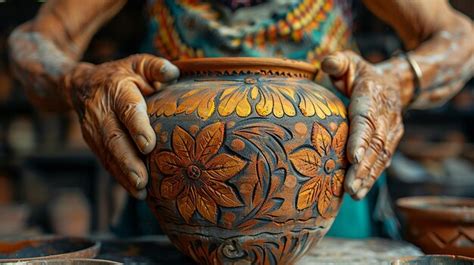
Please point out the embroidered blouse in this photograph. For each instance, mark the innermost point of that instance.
(296, 29)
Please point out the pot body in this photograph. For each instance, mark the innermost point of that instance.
(248, 166)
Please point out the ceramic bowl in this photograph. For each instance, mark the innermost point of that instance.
(434, 260)
(47, 248)
(439, 225)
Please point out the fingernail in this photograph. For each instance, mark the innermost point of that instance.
(142, 142)
(356, 185)
(134, 178)
(169, 71)
(361, 194)
(164, 68)
(141, 195)
(331, 65)
(359, 153)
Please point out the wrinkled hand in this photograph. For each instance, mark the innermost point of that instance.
(109, 99)
(374, 115)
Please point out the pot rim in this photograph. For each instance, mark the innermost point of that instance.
(254, 65)
(438, 208)
(91, 251)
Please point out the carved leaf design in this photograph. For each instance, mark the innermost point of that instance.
(309, 193)
(171, 187)
(186, 206)
(340, 138)
(168, 162)
(208, 141)
(321, 139)
(324, 200)
(336, 184)
(261, 129)
(224, 166)
(306, 161)
(183, 145)
(222, 194)
(206, 207)
(254, 192)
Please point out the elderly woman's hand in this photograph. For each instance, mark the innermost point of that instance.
(374, 115)
(109, 99)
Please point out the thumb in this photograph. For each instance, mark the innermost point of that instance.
(336, 64)
(154, 69)
(340, 67)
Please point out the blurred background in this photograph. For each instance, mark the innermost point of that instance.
(51, 183)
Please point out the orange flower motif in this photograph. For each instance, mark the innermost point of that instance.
(319, 164)
(196, 174)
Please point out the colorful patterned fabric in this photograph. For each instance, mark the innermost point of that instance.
(296, 29)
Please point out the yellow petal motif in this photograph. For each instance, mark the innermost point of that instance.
(265, 105)
(206, 107)
(235, 97)
(254, 93)
(230, 101)
(243, 108)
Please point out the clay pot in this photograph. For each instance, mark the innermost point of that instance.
(440, 225)
(249, 162)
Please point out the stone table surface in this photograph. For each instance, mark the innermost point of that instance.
(330, 251)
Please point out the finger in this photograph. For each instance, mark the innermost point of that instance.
(123, 157)
(358, 180)
(93, 138)
(382, 162)
(131, 109)
(336, 64)
(341, 67)
(394, 139)
(362, 126)
(153, 68)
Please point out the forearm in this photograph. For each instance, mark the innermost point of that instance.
(440, 41)
(45, 49)
(446, 62)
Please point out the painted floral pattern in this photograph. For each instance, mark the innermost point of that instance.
(323, 164)
(267, 96)
(196, 174)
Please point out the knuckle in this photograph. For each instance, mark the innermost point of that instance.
(136, 57)
(367, 119)
(377, 144)
(128, 112)
(365, 168)
(374, 175)
(401, 130)
(112, 140)
(368, 83)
